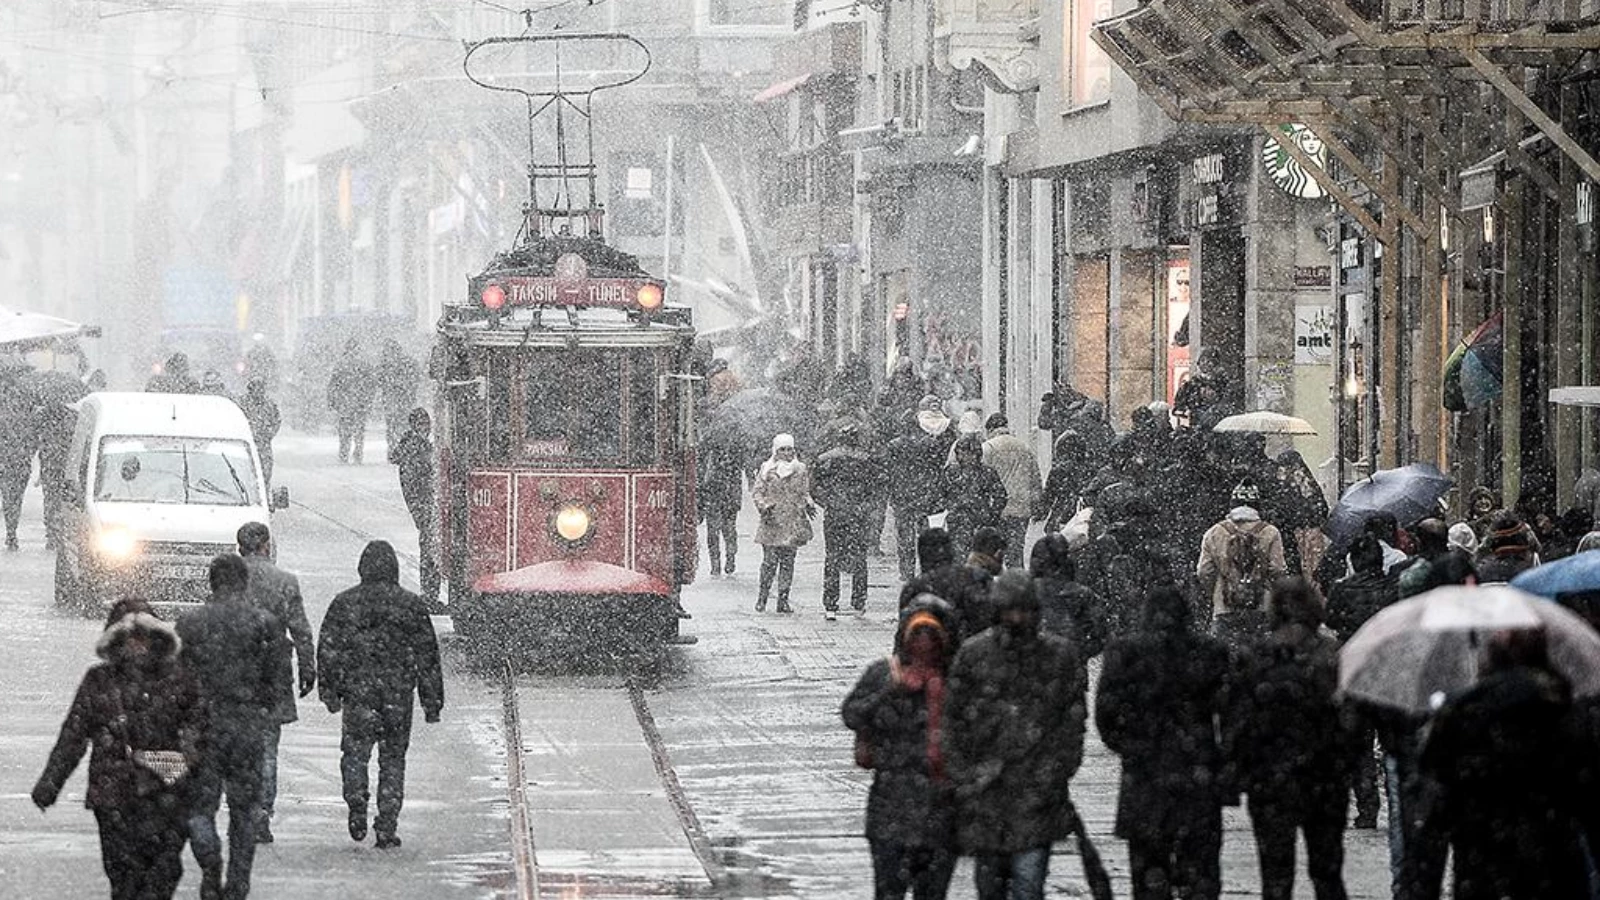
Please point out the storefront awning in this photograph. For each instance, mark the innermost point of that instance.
(782, 88)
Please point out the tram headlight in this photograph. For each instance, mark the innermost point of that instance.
(650, 297)
(572, 523)
(493, 297)
(116, 545)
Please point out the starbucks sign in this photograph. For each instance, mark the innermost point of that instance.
(1286, 172)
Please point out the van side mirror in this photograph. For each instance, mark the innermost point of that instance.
(279, 499)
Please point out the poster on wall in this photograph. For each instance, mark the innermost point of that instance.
(1177, 319)
(1313, 335)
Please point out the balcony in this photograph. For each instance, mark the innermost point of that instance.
(820, 175)
(1492, 15)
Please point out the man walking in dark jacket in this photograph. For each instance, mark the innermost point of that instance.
(847, 483)
(1291, 741)
(916, 464)
(1161, 697)
(1351, 602)
(277, 593)
(350, 391)
(412, 454)
(377, 652)
(964, 587)
(1016, 727)
(232, 649)
(972, 495)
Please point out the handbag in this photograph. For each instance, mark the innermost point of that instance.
(864, 751)
(170, 766)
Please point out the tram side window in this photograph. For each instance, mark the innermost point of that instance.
(642, 430)
(573, 405)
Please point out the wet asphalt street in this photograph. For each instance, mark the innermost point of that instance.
(769, 804)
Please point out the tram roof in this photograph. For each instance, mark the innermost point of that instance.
(566, 326)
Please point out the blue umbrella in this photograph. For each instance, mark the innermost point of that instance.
(1409, 493)
(1575, 574)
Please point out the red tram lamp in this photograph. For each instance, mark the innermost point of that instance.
(649, 297)
(493, 297)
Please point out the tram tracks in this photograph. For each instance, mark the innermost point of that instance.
(529, 878)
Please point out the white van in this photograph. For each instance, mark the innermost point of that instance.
(157, 486)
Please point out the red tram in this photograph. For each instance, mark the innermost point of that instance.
(565, 410)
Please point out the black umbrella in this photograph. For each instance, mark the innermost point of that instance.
(755, 415)
(1409, 493)
(53, 387)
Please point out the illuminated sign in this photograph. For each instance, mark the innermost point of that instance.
(612, 293)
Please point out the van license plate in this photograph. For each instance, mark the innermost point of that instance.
(176, 573)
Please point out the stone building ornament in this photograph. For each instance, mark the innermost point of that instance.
(999, 35)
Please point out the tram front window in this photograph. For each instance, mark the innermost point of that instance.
(573, 406)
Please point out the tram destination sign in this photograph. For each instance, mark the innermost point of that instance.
(612, 293)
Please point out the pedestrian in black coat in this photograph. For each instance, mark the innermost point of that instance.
(377, 652)
(964, 587)
(719, 494)
(412, 455)
(277, 593)
(19, 441)
(972, 494)
(233, 649)
(261, 411)
(1291, 742)
(847, 483)
(1017, 710)
(916, 467)
(1162, 694)
(1351, 602)
(1503, 753)
(897, 712)
(138, 699)
(351, 388)
(1067, 608)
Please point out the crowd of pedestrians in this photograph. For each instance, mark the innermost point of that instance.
(176, 718)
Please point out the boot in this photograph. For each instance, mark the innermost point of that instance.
(784, 607)
(761, 605)
(211, 880)
(358, 824)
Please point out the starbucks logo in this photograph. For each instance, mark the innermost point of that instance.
(1289, 174)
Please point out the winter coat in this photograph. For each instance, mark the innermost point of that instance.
(916, 469)
(413, 455)
(234, 651)
(264, 421)
(974, 498)
(163, 710)
(905, 805)
(277, 593)
(720, 464)
(1503, 754)
(964, 587)
(1073, 611)
(351, 388)
(1290, 739)
(849, 483)
(19, 436)
(1013, 460)
(1016, 713)
(397, 379)
(378, 645)
(1213, 565)
(783, 503)
(1159, 705)
(1356, 598)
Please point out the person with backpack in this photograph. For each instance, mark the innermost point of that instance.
(1290, 740)
(1241, 557)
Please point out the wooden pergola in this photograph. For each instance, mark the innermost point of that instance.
(1407, 96)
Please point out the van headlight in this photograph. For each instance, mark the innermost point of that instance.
(116, 545)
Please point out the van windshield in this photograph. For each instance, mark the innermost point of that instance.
(202, 471)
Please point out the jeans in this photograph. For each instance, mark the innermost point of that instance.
(845, 540)
(13, 486)
(777, 561)
(389, 728)
(427, 555)
(1275, 824)
(722, 530)
(141, 847)
(52, 478)
(1186, 865)
(1015, 876)
(1365, 786)
(269, 768)
(924, 871)
(908, 526)
(352, 435)
(234, 769)
(1016, 533)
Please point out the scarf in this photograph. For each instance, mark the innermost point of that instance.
(784, 467)
(925, 675)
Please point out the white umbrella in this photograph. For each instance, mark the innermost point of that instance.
(22, 330)
(1427, 647)
(1264, 422)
